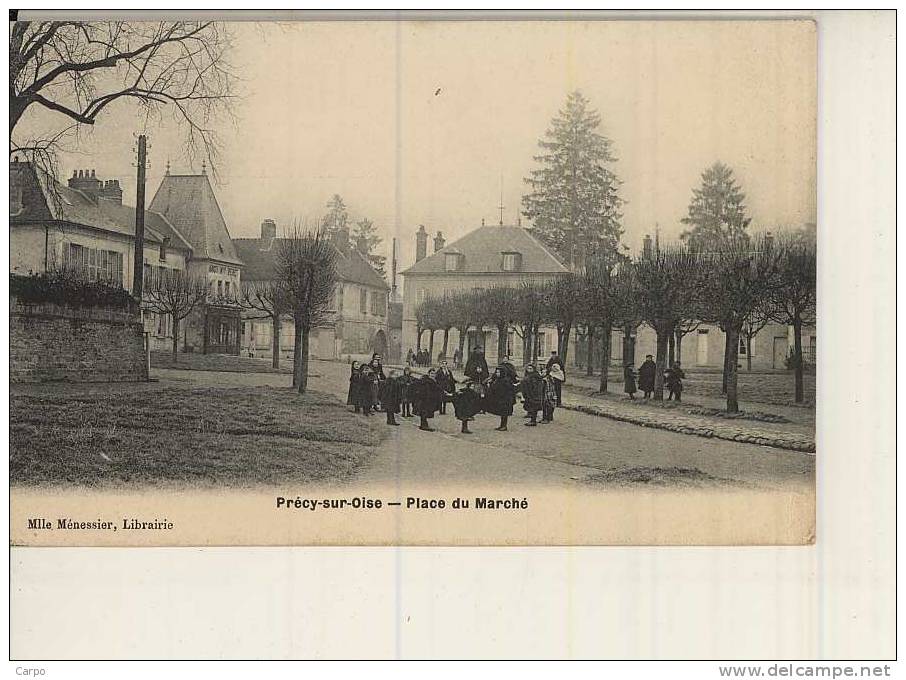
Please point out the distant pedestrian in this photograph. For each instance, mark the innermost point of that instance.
(466, 404)
(556, 360)
(647, 372)
(410, 357)
(477, 366)
(354, 377)
(674, 382)
(406, 381)
(532, 388)
(500, 396)
(629, 381)
(457, 359)
(391, 397)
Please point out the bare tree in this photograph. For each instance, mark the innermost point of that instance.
(527, 315)
(559, 298)
(665, 285)
(306, 268)
(683, 328)
(599, 298)
(494, 307)
(176, 293)
(267, 300)
(754, 324)
(794, 298)
(742, 274)
(78, 69)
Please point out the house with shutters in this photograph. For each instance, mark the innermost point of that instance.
(359, 324)
(488, 256)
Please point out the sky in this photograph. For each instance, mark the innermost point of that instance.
(435, 122)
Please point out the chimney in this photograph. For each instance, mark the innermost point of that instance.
(646, 246)
(361, 244)
(87, 183)
(268, 230)
(110, 190)
(439, 241)
(421, 243)
(163, 248)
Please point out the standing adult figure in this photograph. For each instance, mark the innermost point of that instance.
(354, 377)
(647, 371)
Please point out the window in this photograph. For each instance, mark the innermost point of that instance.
(94, 264)
(512, 262)
(363, 301)
(378, 303)
(452, 262)
(226, 288)
(742, 347)
(338, 298)
(421, 295)
(220, 289)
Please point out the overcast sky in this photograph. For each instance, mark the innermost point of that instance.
(423, 122)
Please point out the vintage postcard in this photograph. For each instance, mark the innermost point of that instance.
(412, 282)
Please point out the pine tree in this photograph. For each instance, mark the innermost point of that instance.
(336, 217)
(574, 203)
(717, 213)
(366, 241)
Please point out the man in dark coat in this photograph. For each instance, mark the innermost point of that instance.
(532, 388)
(405, 381)
(466, 403)
(447, 383)
(391, 397)
(647, 371)
(428, 396)
(477, 366)
(500, 396)
(556, 360)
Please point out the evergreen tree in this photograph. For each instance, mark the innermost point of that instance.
(366, 241)
(336, 217)
(574, 203)
(717, 213)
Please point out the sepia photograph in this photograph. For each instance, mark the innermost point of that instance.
(413, 282)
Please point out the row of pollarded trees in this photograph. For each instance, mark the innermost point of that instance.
(302, 289)
(738, 284)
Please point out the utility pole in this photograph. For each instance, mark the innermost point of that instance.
(138, 259)
(393, 293)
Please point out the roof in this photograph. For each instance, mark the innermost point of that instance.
(258, 254)
(189, 204)
(44, 198)
(480, 250)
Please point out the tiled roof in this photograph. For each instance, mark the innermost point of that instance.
(43, 198)
(481, 251)
(189, 204)
(257, 256)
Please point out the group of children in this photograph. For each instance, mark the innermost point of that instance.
(406, 394)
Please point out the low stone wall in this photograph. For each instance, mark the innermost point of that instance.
(50, 342)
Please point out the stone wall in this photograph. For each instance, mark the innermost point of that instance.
(50, 342)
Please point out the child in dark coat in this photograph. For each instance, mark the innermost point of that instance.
(467, 403)
(629, 381)
(367, 389)
(352, 396)
(406, 381)
(674, 382)
(500, 396)
(391, 396)
(532, 388)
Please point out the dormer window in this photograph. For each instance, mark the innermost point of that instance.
(512, 262)
(452, 261)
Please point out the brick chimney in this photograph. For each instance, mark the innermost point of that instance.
(646, 246)
(111, 191)
(439, 241)
(86, 182)
(268, 229)
(421, 243)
